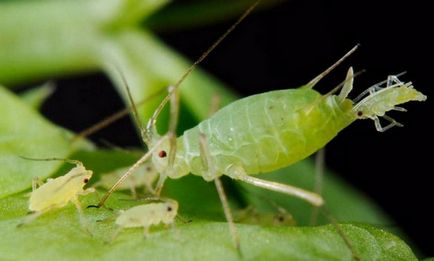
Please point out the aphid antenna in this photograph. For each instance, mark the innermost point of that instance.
(75, 162)
(147, 133)
(318, 78)
(149, 199)
(114, 117)
(132, 105)
(174, 88)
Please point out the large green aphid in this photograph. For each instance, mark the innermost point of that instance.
(271, 130)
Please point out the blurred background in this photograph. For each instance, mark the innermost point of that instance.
(286, 45)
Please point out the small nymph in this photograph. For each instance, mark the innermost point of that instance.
(147, 215)
(58, 192)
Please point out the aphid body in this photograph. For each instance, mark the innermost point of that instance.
(148, 215)
(271, 130)
(58, 192)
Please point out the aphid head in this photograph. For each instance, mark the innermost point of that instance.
(79, 175)
(171, 210)
(160, 159)
(377, 100)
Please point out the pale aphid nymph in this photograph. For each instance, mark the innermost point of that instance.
(147, 215)
(58, 192)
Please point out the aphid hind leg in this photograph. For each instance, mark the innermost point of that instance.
(319, 180)
(237, 172)
(211, 174)
(30, 218)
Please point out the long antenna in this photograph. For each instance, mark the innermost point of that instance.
(315, 80)
(122, 113)
(199, 60)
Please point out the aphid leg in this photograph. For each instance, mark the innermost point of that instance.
(392, 80)
(210, 175)
(392, 123)
(83, 221)
(126, 175)
(149, 188)
(319, 179)
(36, 183)
(161, 179)
(238, 173)
(115, 234)
(145, 232)
(30, 218)
(401, 109)
(133, 190)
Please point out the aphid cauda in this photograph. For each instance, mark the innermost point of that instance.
(147, 215)
(58, 192)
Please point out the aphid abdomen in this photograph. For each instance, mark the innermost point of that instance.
(267, 131)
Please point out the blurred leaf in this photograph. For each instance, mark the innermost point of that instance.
(23, 132)
(149, 67)
(201, 13)
(42, 39)
(36, 96)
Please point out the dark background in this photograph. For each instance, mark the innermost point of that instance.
(285, 47)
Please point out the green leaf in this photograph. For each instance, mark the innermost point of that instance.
(23, 132)
(36, 96)
(200, 13)
(64, 238)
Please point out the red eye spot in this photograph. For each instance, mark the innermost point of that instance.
(162, 154)
(359, 113)
(86, 180)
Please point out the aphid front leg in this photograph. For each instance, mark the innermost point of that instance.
(392, 123)
(83, 221)
(319, 180)
(211, 174)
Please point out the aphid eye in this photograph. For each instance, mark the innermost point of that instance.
(86, 180)
(280, 218)
(162, 154)
(169, 208)
(359, 113)
(148, 168)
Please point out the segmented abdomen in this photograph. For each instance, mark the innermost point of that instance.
(266, 131)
